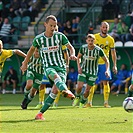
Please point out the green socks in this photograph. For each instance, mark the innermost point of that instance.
(48, 102)
(60, 84)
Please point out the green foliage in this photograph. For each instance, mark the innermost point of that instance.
(65, 119)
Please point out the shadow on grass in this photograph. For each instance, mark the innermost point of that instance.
(16, 121)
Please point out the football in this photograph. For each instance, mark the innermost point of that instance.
(128, 104)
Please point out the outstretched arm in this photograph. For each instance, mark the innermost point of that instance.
(72, 52)
(27, 59)
(19, 52)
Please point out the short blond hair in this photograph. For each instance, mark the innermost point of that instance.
(91, 36)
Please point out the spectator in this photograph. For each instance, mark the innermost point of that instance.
(11, 78)
(123, 31)
(14, 8)
(6, 30)
(34, 8)
(75, 22)
(115, 28)
(110, 9)
(129, 36)
(121, 75)
(68, 30)
(72, 79)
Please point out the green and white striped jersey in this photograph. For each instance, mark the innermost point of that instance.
(89, 59)
(51, 48)
(36, 65)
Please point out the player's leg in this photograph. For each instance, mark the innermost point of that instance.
(55, 104)
(35, 83)
(91, 93)
(106, 86)
(47, 103)
(80, 83)
(90, 82)
(106, 92)
(59, 79)
(42, 90)
(85, 96)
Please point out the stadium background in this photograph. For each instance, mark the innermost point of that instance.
(89, 12)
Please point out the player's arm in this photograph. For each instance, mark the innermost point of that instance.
(27, 59)
(66, 56)
(104, 57)
(72, 52)
(19, 52)
(78, 63)
(113, 54)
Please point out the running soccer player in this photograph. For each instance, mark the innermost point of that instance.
(50, 44)
(106, 42)
(87, 68)
(34, 77)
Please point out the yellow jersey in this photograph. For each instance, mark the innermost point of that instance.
(106, 43)
(3, 56)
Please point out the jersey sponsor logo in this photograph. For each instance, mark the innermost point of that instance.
(92, 78)
(50, 49)
(102, 46)
(90, 58)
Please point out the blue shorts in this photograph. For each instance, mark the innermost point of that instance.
(101, 73)
(117, 83)
(45, 80)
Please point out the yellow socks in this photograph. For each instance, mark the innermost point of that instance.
(41, 95)
(106, 92)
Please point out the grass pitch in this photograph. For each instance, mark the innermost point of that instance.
(65, 119)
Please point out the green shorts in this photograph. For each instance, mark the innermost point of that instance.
(88, 78)
(37, 78)
(52, 70)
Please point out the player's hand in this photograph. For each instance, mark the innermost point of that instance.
(114, 69)
(73, 57)
(23, 67)
(107, 74)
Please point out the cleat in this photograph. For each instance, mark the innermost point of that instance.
(68, 94)
(75, 102)
(39, 117)
(106, 105)
(81, 105)
(88, 105)
(23, 104)
(38, 106)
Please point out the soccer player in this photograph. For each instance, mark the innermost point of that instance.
(50, 44)
(87, 68)
(45, 81)
(4, 54)
(106, 42)
(34, 77)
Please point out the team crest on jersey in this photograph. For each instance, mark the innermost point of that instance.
(57, 41)
(107, 42)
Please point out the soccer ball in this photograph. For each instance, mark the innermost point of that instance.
(128, 104)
